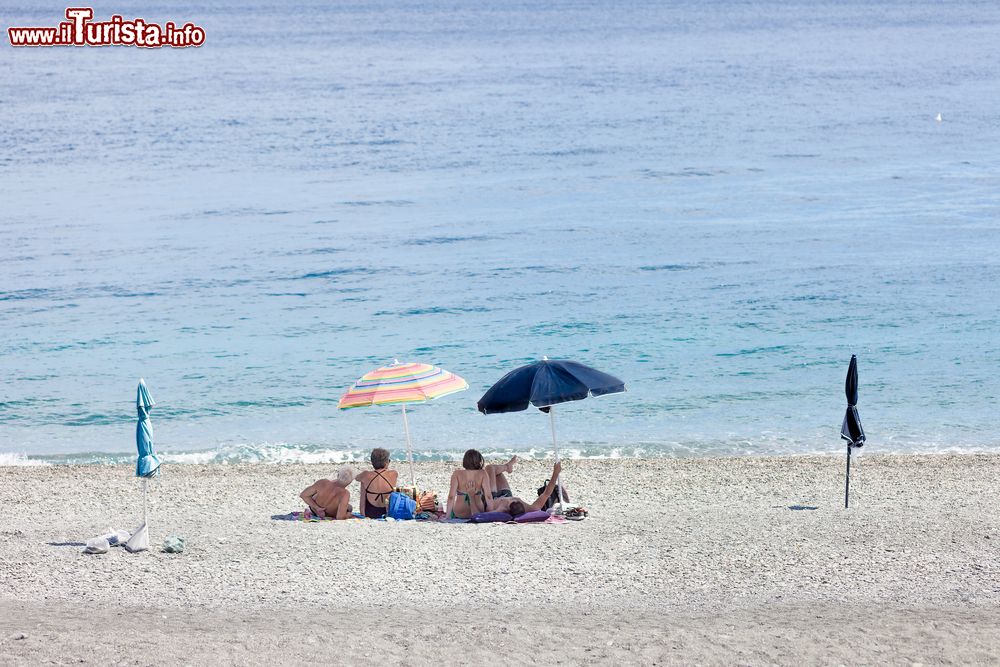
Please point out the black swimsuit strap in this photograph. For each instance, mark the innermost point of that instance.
(369, 485)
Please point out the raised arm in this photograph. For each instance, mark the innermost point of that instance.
(549, 488)
(453, 492)
(361, 479)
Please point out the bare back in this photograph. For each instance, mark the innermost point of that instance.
(467, 496)
(376, 485)
(328, 496)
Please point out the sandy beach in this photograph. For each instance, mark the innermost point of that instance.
(712, 561)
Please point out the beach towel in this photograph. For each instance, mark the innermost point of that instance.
(490, 517)
(539, 516)
(310, 517)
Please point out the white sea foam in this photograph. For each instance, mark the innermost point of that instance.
(264, 453)
(15, 459)
(284, 453)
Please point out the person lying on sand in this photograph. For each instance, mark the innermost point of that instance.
(330, 498)
(376, 485)
(503, 500)
(470, 487)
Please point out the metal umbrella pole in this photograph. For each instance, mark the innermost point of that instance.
(555, 446)
(409, 448)
(847, 485)
(850, 429)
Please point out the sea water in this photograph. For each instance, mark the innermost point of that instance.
(717, 202)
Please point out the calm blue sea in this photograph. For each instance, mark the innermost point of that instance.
(718, 202)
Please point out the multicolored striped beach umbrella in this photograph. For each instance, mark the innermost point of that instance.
(400, 384)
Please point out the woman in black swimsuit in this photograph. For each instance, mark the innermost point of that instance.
(376, 485)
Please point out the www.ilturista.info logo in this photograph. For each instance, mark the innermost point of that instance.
(80, 30)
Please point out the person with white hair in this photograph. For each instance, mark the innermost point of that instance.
(329, 498)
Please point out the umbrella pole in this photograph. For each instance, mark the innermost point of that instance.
(555, 446)
(847, 486)
(409, 448)
(145, 487)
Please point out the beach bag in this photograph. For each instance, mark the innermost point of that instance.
(400, 506)
(554, 496)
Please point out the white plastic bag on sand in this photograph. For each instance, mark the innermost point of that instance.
(139, 540)
(96, 545)
(117, 538)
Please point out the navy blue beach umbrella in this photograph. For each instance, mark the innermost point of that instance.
(850, 429)
(544, 384)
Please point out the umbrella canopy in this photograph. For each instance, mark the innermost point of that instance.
(851, 429)
(545, 383)
(401, 383)
(148, 464)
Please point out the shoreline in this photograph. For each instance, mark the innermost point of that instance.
(673, 551)
(338, 457)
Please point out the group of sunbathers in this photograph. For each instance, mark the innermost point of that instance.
(475, 488)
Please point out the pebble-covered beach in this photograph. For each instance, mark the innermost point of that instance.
(717, 560)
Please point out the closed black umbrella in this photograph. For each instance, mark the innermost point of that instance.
(851, 429)
(544, 384)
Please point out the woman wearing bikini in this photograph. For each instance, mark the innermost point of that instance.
(473, 485)
(376, 485)
(469, 487)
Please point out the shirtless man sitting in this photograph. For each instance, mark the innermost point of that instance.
(504, 501)
(329, 498)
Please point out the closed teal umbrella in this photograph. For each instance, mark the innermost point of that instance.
(148, 464)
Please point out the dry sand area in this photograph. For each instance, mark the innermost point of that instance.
(682, 561)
